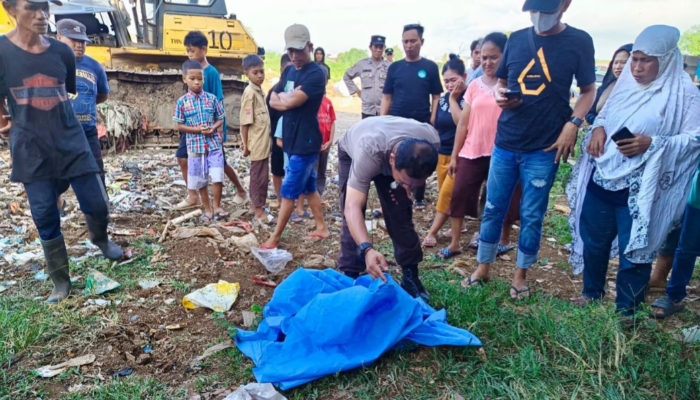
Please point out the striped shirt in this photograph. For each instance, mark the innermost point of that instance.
(200, 109)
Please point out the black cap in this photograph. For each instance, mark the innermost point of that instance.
(56, 2)
(73, 29)
(389, 51)
(545, 6)
(378, 40)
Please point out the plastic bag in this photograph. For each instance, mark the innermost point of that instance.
(256, 391)
(215, 296)
(98, 283)
(274, 260)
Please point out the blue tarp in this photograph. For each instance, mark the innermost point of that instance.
(321, 322)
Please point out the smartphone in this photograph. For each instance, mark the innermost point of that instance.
(513, 94)
(623, 133)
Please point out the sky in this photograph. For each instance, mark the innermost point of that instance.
(450, 25)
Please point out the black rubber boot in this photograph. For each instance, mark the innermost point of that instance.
(98, 237)
(412, 284)
(351, 274)
(56, 257)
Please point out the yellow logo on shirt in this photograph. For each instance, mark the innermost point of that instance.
(526, 74)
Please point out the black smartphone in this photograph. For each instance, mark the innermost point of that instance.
(513, 94)
(623, 133)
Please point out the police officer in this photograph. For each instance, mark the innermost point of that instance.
(372, 72)
(389, 53)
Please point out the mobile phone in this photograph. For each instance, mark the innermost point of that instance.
(513, 94)
(623, 133)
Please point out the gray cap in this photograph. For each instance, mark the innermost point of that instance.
(73, 29)
(297, 37)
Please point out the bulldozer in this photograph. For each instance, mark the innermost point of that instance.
(140, 43)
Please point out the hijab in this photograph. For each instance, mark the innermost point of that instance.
(323, 61)
(667, 110)
(608, 80)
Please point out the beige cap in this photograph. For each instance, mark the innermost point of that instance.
(297, 37)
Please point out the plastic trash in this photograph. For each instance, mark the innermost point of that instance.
(6, 285)
(245, 243)
(691, 335)
(41, 276)
(311, 324)
(274, 260)
(98, 283)
(255, 391)
(48, 371)
(215, 296)
(148, 284)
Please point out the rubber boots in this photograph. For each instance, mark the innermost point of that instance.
(412, 284)
(56, 257)
(98, 236)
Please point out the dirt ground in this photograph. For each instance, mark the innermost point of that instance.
(156, 318)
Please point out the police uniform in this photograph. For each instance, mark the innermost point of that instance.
(373, 75)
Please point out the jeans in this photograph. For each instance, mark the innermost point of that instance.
(300, 177)
(686, 253)
(43, 195)
(600, 223)
(536, 172)
(398, 216)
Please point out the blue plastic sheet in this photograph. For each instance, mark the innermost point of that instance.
(321, 322)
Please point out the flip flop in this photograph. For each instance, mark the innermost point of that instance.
(468, 282)
(183, 206)
(315, 237)
(307, 215)
(221, 216)
(296, 219)
(262, 280)
(420, 205)
(669, 307)
(376, 214)
(266, 247)
(520, 292)
(240, 200)
(205, 219)
(430, 244)
(504, 249)
(474, 243)
(445, 253)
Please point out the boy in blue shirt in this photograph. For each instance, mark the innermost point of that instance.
(200, 115)
(196, 45)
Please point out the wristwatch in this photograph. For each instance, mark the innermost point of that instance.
(576, 121)
(362, 250)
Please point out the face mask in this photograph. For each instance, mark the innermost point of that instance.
(544, 22)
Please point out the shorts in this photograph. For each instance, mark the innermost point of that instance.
(300, 178)
(201, 166)
(277, 162)
(182, 148)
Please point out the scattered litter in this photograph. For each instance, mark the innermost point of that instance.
(23, 258)
(98, 283)
(208, 352)
(48, 371)
(178, 220)
(134, 318)
(256, 391)
(691, 335)
(102, 302)
(314, 261)
(148, 348)
(233, 225)
(264, 281)
(505, 257)
(123, 372)
(274, 260)
(41, 276)
(148, 284)
(244, 242)
(551, 240)
(248, 318)
(215, 296)
(175, 327)
(169, 302)
(200, 231)
(562, 209)
(6, 285)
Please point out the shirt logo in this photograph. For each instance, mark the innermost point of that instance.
(422, 74)
(40, 91)
(289, 87)
(527, 74)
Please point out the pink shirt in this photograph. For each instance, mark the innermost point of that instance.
(483, 120)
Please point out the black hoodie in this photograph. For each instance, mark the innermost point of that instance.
(323, 61)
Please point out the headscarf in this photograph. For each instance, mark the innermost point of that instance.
(667, 110)
(323, 61)
(608, 79)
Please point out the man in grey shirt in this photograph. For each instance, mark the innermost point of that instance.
(372, 72)
(396, 154)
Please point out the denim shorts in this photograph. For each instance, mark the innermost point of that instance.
(300, 177)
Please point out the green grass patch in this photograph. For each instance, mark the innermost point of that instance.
(127, 389)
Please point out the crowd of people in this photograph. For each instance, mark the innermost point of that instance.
(495, 135)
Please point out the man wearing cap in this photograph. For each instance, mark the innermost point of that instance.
(389, 53)
(91, 84)
(48, 146)
(298, 96)
(372, 72)
(536, 129)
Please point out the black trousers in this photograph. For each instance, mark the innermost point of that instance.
(367, 115)
(398, 216)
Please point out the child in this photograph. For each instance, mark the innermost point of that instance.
(326, 122)
(196, 45)
(200, 115)
(255, 133)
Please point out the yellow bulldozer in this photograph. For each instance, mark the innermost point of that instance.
(141, 45)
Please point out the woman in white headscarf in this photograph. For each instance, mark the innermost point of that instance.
(632, 192)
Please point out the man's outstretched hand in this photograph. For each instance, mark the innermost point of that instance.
(376, 264)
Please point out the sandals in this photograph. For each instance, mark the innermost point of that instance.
(181, 206)
(420, 204)
(445, 253)
(296, 219)
(519, 293)
(668, 306)
(205, 219)
(221, 215)
(504, 249)
(468, 282)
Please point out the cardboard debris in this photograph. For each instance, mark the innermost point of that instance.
(48, 371)
(199, 231)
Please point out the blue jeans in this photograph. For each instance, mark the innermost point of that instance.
(300, 177)
(686, 253)
(600, 223)
(43, 195)
(536, 171)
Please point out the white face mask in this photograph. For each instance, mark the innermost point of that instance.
(544, 22)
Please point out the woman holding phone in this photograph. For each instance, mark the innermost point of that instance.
(627, 193)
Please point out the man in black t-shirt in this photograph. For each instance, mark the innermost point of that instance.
(412, 88)
(536, 129)
(48, 146)
(298, 96)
